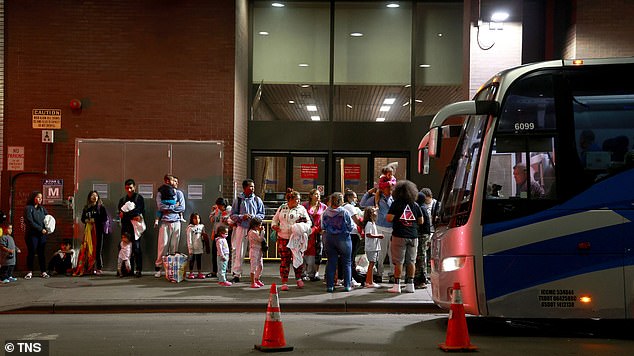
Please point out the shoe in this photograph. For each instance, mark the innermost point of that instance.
(45, 275)
(330, 290)
(6, 281)
(255, 285)
(157, 274)
(339, 283)
(315, 279)
(138, 274)
(355, 284)
(377, 279)
(200, 276)
(211, 275)
(259, 282)
(300, 284)
(191, 276)
(98, 273)
(396, 288)
(29, 275)
(284, 287)
(225, 284)
(347, 289)
(306, 278)
(421, 286)
(372, 285)
(13, 279)
(409, 288)
(235, 279)
(391, 279)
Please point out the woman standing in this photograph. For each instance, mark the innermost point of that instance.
(94, 217)
(350, 204)
(336, 225)
(312, 255)
(35, 233)
(292, 223)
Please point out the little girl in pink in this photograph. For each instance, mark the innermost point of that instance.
(255, 251)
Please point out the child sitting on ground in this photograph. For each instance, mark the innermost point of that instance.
(125, 250)
(255, 251)
(62, 261)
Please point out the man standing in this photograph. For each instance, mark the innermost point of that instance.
(246, 207)
(430, 208)
(126, 217)
(169, 225)
(383, 227)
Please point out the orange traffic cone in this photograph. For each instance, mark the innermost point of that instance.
(273, 336)
(457, 333)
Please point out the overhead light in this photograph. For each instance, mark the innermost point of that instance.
(356, 34)
(311, 107)
(305, 86)
(496, 25)
(303, 65)
(424, 66)
(439, 34)
(315, 118)
(393, 5)
(349, 106)
(408, 85)
(406, 103)
(418, 101)
(263, 33)
(277, 4)
(499, 16)
(380, 119)
(385, 108)
(389, 101)
(291, 101)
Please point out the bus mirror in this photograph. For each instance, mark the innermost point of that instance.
(434, 142)
(423, 161)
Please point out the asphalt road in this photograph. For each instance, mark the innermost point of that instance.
(308, 333)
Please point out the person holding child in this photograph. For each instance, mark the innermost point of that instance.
(123, 259)
(372, 244)
(256, 254)
(8, 255)
(195, 246)
(223, 255)
(131, 209)
(219, 215)
(168, 239)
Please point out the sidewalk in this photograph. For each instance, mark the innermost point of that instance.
(110, 294)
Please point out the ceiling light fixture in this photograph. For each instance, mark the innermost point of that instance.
(356, 34)
(305, 86)
(380, 119)
(406, 103)
(263, 33)
(315, 118)
(424, 65)
(311, 107)
(439, 34)
(389, 101)
(499, 16)
(393, 5)
(385, 108)
(277, 4)
(418, 101)
(349, 106)
(291, 101)
(303, 65)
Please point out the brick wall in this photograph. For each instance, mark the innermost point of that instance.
(143, 69)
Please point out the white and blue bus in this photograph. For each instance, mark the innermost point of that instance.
(538, 200)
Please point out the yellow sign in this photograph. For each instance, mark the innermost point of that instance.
(47, 118)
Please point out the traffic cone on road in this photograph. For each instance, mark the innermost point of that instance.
(273, 336)
(457, 333)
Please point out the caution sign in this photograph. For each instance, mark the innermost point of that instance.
(47, 118)
(52, 190)
(15, 158)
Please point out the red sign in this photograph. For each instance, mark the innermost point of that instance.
(309, 171)
(351, 171)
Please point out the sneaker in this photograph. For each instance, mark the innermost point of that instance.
(235, 279)
(259, 282)
(28, 275)
(138, 274)
(377, 279)
(284, 287)
(6, 281)
(211, 275)
(372, 285)
(45, 275)
(330, 290)
(409, 288)
(225, 284)
(391, 279)
(355, 284)
(191, 276)
(98, 273)
(255, 285)
(12, 279)
(339, 283)
(421, 285)
(157, 274)
(395, 289)
(347, 289)
(315, 279)
(300, 284)
(306, 278)
(200, 276)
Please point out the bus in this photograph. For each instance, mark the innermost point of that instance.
(537, 201)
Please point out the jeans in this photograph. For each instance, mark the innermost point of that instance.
(338, 246)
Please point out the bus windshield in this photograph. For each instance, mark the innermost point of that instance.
(456, 192)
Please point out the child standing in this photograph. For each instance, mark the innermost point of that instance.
(8, 252)
(62, 261)
(195, 245)
(255, 251)
(372, 243)
(223, 255)
(125, 250)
